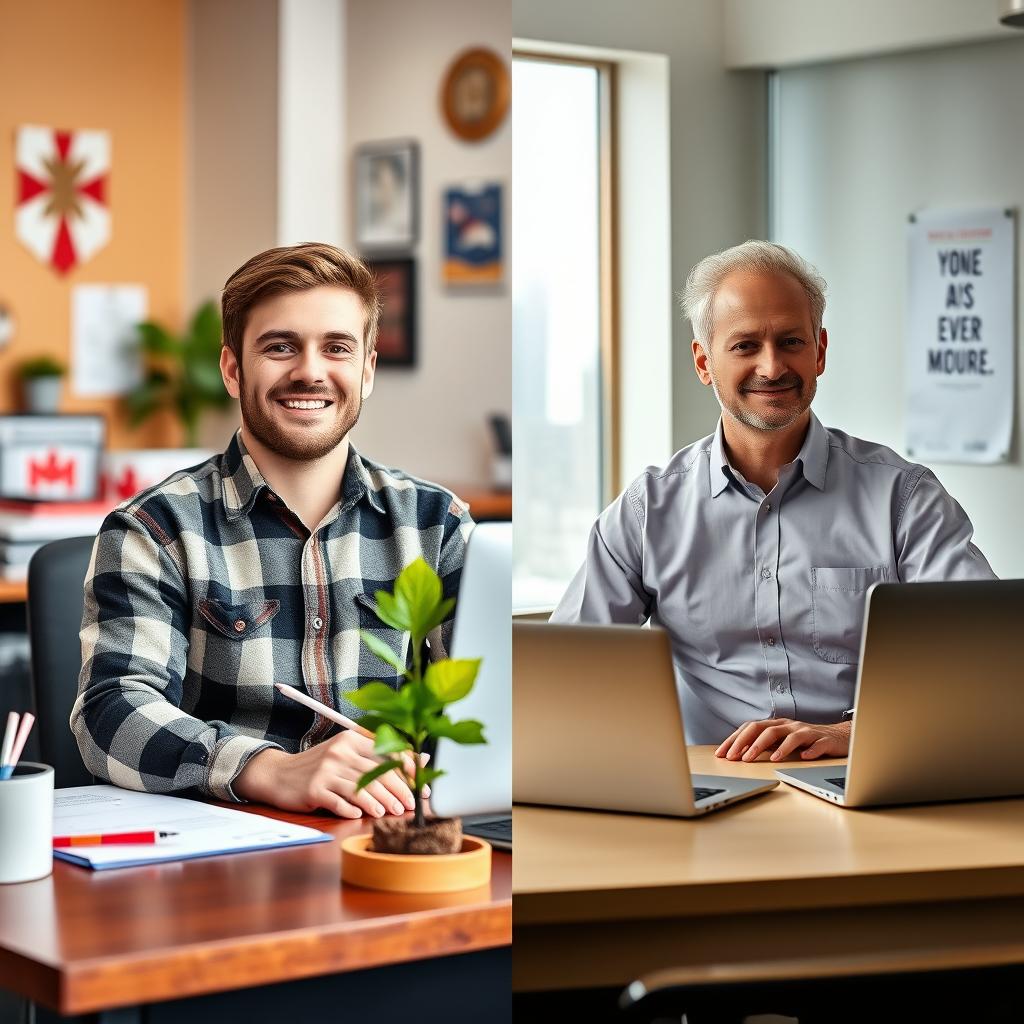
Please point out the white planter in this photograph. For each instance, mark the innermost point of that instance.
(42, 394)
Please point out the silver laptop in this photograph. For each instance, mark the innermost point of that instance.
(598, 724)
(477, 785)
(939, 714)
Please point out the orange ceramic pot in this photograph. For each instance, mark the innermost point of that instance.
(411, 872)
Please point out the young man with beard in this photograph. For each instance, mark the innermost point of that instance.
(260, 565)
(754, 547)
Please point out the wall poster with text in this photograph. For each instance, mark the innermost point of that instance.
(960, 335)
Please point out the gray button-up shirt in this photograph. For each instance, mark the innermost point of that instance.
(763, 595)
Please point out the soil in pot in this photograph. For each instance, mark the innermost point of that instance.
(401, 835)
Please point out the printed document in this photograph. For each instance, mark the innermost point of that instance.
(203, 829)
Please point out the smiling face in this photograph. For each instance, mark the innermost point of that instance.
(763, 362)
(304, 371)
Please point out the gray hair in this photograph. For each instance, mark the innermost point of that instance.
(697, 299)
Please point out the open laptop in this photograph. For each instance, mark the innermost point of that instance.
(477, 785)
(598, 724)
(939, 714)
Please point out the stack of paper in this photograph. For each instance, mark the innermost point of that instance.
(202, 829)
(25, 526)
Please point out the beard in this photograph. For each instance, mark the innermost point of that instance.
(304, 441)
(774, 414)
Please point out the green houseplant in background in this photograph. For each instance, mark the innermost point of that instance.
(407, 719)
(182, 372)
(41, 384)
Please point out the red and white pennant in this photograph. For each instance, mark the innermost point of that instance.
(62, 215)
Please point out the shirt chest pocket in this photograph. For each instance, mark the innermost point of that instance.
(370, 665)
(837, 609)
(238, 621)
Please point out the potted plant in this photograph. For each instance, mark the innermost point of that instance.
(41, 383)
(183, 372)
(417, 853)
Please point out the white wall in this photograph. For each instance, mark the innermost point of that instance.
(231, 157)
(431, 420)
(311, 121)
(861, 145)
(717, 125)
(776, 33)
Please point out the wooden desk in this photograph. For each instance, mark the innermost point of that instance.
(13, 591)
(81, 941)
(485, 505)
(780, 886)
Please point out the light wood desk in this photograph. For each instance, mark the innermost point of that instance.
(82, 941)
(781, 886)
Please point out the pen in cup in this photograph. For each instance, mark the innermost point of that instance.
(14, 742)
(9, 734)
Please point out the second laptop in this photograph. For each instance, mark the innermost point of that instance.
(597, 724)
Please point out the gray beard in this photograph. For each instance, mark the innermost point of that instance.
(767, 426)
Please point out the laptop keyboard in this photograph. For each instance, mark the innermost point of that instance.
(499, 831)
(700, 793)
(840, 782)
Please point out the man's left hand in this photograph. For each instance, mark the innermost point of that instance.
(752, 739)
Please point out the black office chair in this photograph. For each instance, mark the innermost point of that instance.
(56, 580)
(983, 994)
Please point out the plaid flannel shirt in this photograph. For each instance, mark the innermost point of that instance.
(205, 590)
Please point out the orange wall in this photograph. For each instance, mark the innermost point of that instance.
(119, 66)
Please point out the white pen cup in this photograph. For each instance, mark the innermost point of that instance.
(26, 823)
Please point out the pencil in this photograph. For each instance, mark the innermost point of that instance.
(322, 709)
(112, 838)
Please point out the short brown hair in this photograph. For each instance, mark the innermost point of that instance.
(296, 268)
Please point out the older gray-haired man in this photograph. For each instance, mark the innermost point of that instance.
(754, 547)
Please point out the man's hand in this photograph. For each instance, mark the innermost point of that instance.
(326, 776)
(752, 739)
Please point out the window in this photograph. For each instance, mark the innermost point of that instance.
(564, 465)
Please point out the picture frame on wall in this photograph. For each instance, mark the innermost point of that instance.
(473, 234)
(396, 333)
(387, 195)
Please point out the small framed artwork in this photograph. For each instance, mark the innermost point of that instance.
(473, 251)
(396, 334)
(387, 195)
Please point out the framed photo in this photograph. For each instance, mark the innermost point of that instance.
(475, 94)
(473, 238)
(387, 195)
(396, 335)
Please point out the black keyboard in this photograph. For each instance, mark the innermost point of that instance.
(840, 782)
(703, 794)
(499, 831)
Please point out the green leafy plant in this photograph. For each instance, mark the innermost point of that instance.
(43, 366)
(182, 372)
(407, 718)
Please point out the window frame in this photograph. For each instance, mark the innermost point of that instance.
(608, 271)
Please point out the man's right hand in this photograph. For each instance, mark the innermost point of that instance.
(325, 776)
